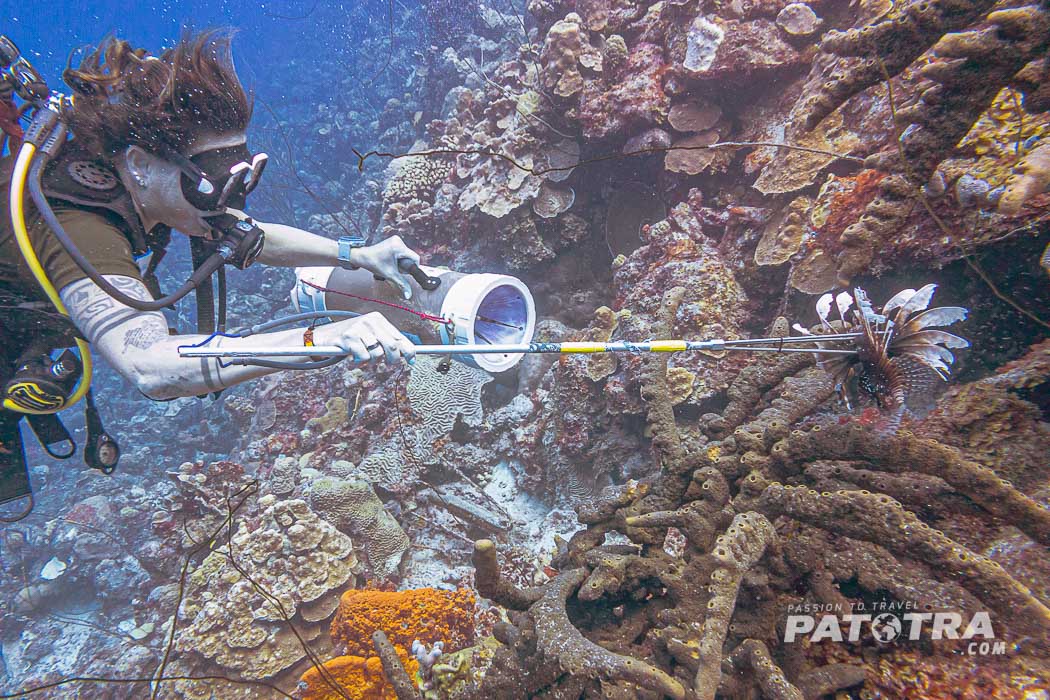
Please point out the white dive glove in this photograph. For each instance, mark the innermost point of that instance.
(382, 260)
(368, 337)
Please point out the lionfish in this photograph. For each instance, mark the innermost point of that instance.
(897, 353)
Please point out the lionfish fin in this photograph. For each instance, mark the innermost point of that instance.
(897, 300)
(874, 325)
(933, 356)
(948, 340)
(917, 382)
(918, 301)
(843, 301)
(939, 316)
(823, 309)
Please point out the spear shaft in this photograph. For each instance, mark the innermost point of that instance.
(786, 344)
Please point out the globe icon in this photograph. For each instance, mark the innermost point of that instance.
(885, 628)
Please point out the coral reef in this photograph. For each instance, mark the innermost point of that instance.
(634, 102)
(202, 501)
(991, 421)
(351, 505)
(243, 594)
(1032, 179)
(649, 170)
(722, 605)
(375, 631)
(967, 72)
(456, 674)
(416, 177)
(889, 44)
(566, 52)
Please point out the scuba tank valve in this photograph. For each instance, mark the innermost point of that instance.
(19, 73)
(41, 385)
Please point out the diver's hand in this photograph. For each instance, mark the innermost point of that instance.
(368, 337)
(382, 260)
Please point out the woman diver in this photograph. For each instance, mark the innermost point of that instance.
(159, 144)
(172, 128)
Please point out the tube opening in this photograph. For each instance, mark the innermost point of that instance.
(503, 314)
(502, 317)
(490, 309)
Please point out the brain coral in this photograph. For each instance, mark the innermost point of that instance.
(386, 467)
(440, 398)
(352, 506)
(295, 557)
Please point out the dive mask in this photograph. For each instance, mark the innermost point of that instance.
(220, 178)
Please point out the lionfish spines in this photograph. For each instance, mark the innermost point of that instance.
(897, 351)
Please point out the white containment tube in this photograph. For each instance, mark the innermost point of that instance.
(473, 308)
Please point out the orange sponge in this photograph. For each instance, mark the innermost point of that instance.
(359, 678)
(427, 614)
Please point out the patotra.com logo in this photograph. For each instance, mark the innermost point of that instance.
(889, 622)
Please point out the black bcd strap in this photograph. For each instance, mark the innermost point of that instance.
(201, 250)
(205, 293)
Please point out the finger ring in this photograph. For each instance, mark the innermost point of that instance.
(373, 346)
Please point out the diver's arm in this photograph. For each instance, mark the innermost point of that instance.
(287, 246)
(138, 346)
(137, 343)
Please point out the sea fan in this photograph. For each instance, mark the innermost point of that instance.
(896, 355)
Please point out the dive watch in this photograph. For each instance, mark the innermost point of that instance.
(346, 245)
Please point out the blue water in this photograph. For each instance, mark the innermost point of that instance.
(271, 33)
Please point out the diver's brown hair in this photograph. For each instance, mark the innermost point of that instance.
(124, 96)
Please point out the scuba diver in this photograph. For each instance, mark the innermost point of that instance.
(144, 145)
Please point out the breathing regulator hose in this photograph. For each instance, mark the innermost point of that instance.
(26, 156)
(199, 277)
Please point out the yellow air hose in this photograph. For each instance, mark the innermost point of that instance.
(18, 220)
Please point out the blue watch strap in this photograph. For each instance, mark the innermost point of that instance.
(348, 243)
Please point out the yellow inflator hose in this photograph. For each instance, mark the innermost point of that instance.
(18, 220)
